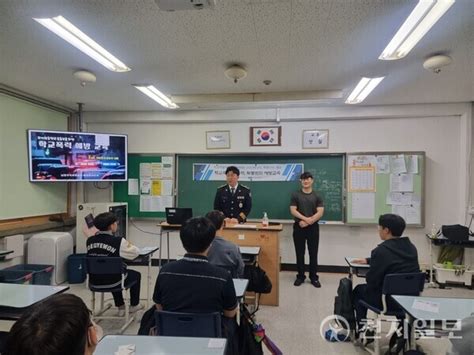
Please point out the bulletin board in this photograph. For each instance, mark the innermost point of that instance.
(150, 186)
(385, 182)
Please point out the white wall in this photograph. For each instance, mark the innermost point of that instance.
(443, 131)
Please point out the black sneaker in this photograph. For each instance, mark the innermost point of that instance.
(316, 283)
(298, 282)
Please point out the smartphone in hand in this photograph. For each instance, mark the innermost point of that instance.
(89, 220)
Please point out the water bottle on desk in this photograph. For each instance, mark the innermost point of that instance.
(265, 220)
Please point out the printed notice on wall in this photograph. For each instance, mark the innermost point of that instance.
(363, 205)
(383, 164)
(166, 187)
(155, 203)
(401, 183)
(133, 186)
(156, 169)
(413, 164)
(398, 165)
(362, 179)
(145, 186)
(145, 170)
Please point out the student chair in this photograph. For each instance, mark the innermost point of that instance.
(108, 266)
(204, 325)
(408, 284)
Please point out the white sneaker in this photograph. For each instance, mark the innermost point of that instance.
(121, 311)
(138, 307)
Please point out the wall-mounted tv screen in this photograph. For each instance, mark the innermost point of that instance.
(76, 156)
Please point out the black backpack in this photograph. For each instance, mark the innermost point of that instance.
(343, 303)
(258, 279)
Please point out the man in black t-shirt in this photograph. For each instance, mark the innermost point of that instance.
(307, 208)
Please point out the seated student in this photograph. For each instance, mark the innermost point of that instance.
(395, 255)
(59, 325)
(222, 252)
(104, 243)
(192, 284)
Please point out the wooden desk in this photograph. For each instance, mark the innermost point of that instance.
(253, 234)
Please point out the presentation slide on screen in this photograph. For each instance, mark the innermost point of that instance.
(76, 156)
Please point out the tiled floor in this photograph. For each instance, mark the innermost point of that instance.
(295, 325)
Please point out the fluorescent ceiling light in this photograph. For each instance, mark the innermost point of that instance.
(425, 14)
(70, 33)
(157, 95)
(363, 89)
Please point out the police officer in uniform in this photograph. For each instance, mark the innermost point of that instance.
(233, 199)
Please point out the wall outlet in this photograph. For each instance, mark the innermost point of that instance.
(470, 210)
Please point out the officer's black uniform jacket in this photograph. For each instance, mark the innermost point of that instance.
(237, 205)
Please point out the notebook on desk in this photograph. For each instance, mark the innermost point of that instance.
(178, 215)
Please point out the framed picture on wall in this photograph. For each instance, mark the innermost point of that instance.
(264, 136)
(217, 139)
(316, 138)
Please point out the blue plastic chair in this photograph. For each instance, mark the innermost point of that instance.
(204, 325)
(111, 267)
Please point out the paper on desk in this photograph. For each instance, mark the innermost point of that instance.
(401, 182)
(126, 350)
(363, 205)
(398, 164)
(216, 343)
(242, 225)
(133, 186)
(146, 250)
(426, 306)
(383, 164)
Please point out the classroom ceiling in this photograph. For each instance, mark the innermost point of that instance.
(300, 45)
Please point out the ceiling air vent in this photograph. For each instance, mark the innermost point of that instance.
(179, 5)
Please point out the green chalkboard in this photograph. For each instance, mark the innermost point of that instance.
(381, 200)
(272, 197)
(121, 193)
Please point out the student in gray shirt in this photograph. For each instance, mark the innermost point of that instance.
(222, 252)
